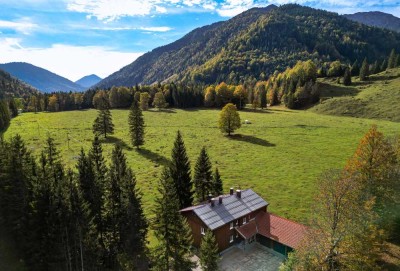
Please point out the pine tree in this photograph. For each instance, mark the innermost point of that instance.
(383, 65)
(364, 71)
(375, 67)
(392, 60)
(13, 108)
(173, 251)
(136, 125)
(4, 115)
(347, 77)
(355, 69)
(180, 173)
(103, 123)
(397, 61)
(209, 252)
(202, 180)
(217, 182)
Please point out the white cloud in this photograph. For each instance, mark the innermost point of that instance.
(125, 28)
(156, 29)
(24, 25)
(72, 62)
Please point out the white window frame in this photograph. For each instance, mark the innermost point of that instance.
(231, 225)
(231, 238)
(244, 220)
(202, 231)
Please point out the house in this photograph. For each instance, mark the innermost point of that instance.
(241, 218)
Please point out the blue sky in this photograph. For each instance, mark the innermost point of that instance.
(74, 38)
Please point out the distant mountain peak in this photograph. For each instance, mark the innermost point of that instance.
(88, 80)
(41, 79)
(376, 18)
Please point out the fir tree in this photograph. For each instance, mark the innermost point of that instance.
(202, 180)
(364, 71)
(136, 125)
(375, 67)
(13, 108)
(347, 77)
(355, 69)
(383, 65)
(209, 252)
(4, 116)
(217, 182)
(392, 60)
(397, 61)
(180, 173)
(173, 251)
(103, 123)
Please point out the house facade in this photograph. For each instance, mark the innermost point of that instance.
(241, 218)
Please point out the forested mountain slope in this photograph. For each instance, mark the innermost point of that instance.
(377, 98)
(376, 18)
(252, 45)
(12, 87)
(40, 78)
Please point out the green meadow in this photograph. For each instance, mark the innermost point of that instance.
(280, 155)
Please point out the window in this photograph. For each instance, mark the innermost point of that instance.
(237, 222)
(231, 238)
(244, 220)
(203, 232)
(231, 225)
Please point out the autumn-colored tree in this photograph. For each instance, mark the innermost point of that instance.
(53, 105)
(144, 100)
(159, 100)
(229, 119)
(209, 96)
(100, 100)
(223, 94)
(240, 94)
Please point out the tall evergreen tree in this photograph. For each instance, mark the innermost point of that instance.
(347, 77)
(209, 252)
(217, 183)
(13, 108)
(203, 179)
(364, 71)
(383, 65)
(355, 68)
(397, 61)
(136, 125)
(103, 124)
(180, 173)
(4, 115)
(392, 60)
(171, 229)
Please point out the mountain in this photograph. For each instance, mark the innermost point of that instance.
(12, 87)
(376, 18)
(88, 81)
(256, 43)
(39, 78)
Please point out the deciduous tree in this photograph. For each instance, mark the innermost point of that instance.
(229, 119)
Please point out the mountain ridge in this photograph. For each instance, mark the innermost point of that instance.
(40, 78)
(250, 46)
(88, 80)
(377, 19)
(12, 87)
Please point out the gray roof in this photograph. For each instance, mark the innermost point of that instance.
(231, 208)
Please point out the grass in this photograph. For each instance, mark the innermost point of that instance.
(280, 155)
(377, 98)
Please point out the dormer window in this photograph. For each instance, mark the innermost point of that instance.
(202, 230)
(244, 220)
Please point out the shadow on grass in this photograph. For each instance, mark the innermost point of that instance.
(120, 142)
(153, 156)
(252, 140)
(328, 90)
(261, 111)
(165, 110)
(382, 77)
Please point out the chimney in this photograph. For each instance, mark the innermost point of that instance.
(231, 191)
(220, 200)
(239, 193)
(209, 197)
(212, 202)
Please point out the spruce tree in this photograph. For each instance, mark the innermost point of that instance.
(13, 108)
(383, 65)
(355, 69)
(103, 124)
(397, 61)
(203, 181)
(364, 71)
(392, 60)
(209, 252)
(217, 183)
(180, 173)
(4, 116)
(347, 77)
(173, 251)
(136, 125)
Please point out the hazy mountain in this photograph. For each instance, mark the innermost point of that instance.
(254, 44)
(376, 18)
(12, 87)
(40, 78)
(88, 81)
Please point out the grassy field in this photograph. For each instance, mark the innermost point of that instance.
(280, 155)
(377, 98)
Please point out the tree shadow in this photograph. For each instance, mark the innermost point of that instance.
(252, 140)
(329, 90)
(153, 156)
(115, 140)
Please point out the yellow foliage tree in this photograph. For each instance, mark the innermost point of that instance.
(229, 119)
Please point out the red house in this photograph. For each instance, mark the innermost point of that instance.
(241, 218)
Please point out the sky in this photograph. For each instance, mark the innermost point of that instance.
(74, 38)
